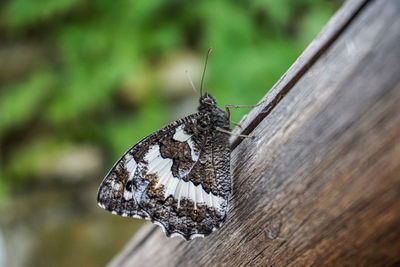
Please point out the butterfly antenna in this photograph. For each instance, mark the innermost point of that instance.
(204, 72)
(190, 80)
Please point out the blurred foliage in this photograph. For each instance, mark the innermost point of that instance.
(95, 78)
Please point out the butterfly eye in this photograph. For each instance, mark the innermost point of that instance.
(208, 101)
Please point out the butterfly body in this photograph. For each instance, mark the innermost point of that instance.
(178, 177)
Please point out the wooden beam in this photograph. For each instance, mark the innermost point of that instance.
(320, 183)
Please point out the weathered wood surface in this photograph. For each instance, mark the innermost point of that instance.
(320, 183)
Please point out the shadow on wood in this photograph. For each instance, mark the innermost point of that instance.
(320, 183)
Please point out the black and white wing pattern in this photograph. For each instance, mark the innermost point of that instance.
(178, 177)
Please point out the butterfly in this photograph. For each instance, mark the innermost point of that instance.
(178, 177)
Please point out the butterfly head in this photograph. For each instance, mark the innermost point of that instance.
(207, 100)
(207, 103)
(216, 116)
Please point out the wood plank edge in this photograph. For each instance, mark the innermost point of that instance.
(303, 64)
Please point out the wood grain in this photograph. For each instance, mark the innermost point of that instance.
(320, 183)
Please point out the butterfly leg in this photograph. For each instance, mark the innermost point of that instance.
(236, 124)
(234, 134)
(228, 112)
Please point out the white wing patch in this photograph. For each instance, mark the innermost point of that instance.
(181, 136)
(130, 167)
(195, 156)
(115, 185)
(176, 187)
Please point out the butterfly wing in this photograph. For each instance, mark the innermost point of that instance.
(178, 177)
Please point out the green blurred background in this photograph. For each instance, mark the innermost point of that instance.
(82, 81)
